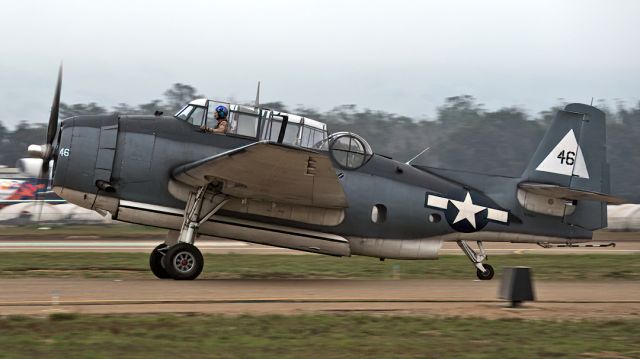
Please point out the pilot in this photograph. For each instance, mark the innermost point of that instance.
(221, 114)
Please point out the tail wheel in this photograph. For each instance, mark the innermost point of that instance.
(183, 261)
(155, 262)
(487, 274)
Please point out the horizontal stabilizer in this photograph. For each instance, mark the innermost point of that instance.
(554, 191)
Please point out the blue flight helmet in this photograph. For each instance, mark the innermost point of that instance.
(222, 112)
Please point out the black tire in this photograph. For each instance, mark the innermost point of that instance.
(183, 262)
(155, 262)
(487, 274)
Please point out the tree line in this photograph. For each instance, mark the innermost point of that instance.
(463, 134)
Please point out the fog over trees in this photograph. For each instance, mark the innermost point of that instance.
(463, 135)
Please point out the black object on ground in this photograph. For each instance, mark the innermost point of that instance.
(516, 285)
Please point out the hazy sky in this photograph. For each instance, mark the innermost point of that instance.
(400, 56)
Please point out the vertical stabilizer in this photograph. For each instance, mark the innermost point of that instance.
(570, 164)
(573, 151)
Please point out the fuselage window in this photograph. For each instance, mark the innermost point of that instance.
(349, 152)
(434, 218)
(379, 213)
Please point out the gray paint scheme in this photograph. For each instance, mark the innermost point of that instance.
(139, 156)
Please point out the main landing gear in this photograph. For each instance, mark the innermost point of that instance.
(155, 261)
(182, 260)
(483, 271)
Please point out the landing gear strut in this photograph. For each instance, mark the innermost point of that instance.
(483, 271)
(182, 260)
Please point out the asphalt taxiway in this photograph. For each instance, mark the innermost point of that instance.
(556, 300)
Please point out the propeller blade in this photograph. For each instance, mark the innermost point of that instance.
(44, 169)
(39, 203)
(55, 109)
(39, 200)
(45, 151)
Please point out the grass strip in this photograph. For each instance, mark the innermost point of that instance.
(312, 336)
(250, 266)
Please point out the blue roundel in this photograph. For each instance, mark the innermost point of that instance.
(465, 222)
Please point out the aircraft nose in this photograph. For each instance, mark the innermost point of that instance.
(84, 160)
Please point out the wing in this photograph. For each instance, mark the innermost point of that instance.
(269, 172)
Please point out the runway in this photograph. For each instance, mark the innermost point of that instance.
(556, 300)
(222, 246)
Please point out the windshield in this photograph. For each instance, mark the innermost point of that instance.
(184, 113)
(196, 117)
(192, 114)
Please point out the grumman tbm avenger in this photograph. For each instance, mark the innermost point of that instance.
(282, 180)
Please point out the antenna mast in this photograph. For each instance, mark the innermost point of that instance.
(418, 155)
(258, 95)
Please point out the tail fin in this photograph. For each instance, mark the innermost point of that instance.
(570, 164)
(573, 151)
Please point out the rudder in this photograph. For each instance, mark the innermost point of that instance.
(570, 164)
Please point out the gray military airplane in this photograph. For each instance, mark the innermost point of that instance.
(280, 179)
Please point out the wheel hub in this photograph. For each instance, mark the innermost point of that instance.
(184, 262)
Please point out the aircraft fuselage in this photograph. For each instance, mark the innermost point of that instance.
(135, 157)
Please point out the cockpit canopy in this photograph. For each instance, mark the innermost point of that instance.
(347, 149)
(258, 123)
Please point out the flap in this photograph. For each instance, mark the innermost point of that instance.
(270, 172)
(555, 191)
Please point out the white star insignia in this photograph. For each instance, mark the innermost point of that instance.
(467, 210)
